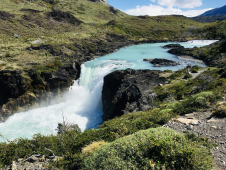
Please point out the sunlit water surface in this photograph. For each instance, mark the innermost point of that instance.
(83, 104)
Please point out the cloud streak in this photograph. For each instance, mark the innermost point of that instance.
(180, 3)
(155, 10)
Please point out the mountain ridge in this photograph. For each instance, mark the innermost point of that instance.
(216, 11)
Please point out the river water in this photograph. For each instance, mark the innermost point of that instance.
(83, 104)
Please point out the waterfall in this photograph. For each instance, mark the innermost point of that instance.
(82, 103)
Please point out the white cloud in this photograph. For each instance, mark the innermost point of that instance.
(154, 10)
(181, 3)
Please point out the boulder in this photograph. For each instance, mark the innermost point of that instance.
(126, 91)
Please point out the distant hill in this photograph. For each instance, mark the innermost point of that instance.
(208, 19)
(217, 14)
(216, 11)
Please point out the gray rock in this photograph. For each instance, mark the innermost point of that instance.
(16, 36)
(33, 159)
(14, 167)
(38, 41)
(189, 127)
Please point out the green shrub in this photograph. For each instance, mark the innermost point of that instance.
(57, 63)
(178, 74)
(193, 103)
(187, 76)
(195, 68)
(159, 148)
(194, 71)
(168, 71)
(174, 76)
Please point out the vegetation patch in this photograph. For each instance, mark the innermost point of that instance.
(159, 148)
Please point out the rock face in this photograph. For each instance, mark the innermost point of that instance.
(129, 90)
(157, 62)
(15, 95)
(12, 85)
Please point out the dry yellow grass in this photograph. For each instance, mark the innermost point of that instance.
(93, 146)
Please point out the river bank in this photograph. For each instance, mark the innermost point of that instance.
(190, 58)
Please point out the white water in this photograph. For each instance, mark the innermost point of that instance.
(83, 104)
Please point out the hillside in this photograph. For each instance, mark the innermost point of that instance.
(216, 11)
(27, 23)
(43, 44)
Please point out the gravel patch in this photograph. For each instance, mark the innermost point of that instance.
(212, 128)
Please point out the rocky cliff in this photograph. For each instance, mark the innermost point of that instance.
(129, 90)
(18, 95)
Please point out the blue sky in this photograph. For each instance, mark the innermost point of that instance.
(188, 8)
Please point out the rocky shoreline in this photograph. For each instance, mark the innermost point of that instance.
(183, 53)
(190, 58)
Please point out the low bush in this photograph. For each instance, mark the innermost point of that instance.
(195, 69)
(176, 75)
(220, 110)
(199, 101)
(159, 148)
(168, 71)
(187, 76)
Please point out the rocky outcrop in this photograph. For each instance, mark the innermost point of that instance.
(64, 16)
(101, 1)
(129, 90)
(6, 16)
(15, 95)
(158, 62)
(178, 49)
(181, 51)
